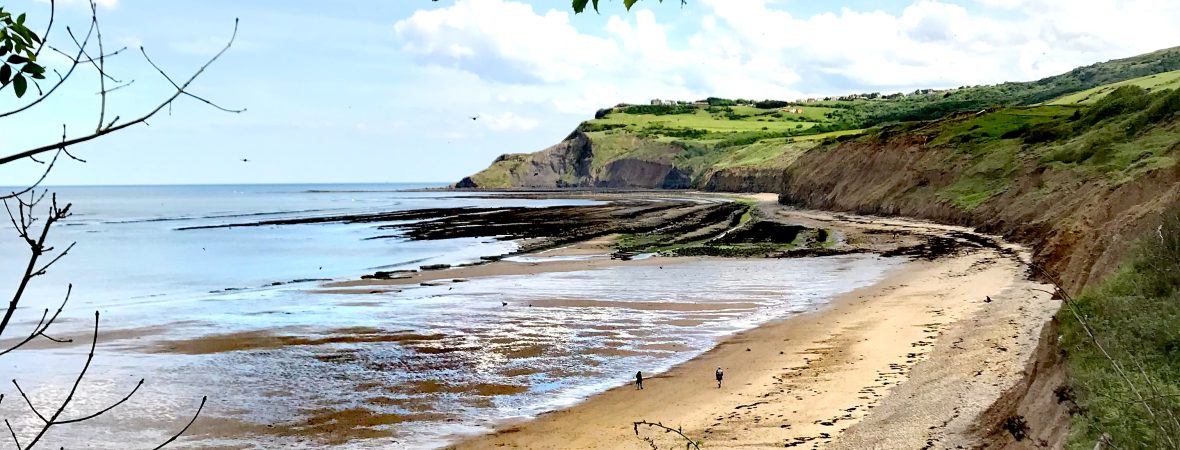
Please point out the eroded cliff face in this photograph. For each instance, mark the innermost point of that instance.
(1079, 225)
(571, 164)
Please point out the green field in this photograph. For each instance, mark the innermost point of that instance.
(717, 122)
(1156, 82)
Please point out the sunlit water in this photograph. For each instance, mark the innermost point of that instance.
(440, 361)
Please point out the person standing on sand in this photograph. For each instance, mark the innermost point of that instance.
(720, 375)
(639, 380)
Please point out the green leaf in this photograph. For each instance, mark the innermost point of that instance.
(579, 6)
(32, 68)
(17, 59)
(628, 3)
(20, 84)
(20, 19)
(5, 74)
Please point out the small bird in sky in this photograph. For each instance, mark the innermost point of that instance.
(503, 303)
(474, 117)
(245, 160)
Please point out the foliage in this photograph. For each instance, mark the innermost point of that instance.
(938, 104)
(715, 101)
(1133, 315)
(1154, 82)
(19, 48)
(660, 110)
(771, 104)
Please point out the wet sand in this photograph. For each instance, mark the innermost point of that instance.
(915, 359)
(910, 361)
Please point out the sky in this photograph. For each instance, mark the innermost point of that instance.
(385, 91)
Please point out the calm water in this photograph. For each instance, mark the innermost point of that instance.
(442, 360)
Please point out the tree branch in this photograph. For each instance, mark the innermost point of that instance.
(689, 442)
(182, 430)
(43, 326)
(111, 129)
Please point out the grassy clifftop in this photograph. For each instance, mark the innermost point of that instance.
(736, 144)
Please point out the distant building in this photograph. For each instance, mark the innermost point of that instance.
(701, 103)
(656, 102)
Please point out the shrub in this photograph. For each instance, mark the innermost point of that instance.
(1133, 314)
(1119, 101)
(660, 110)
(770, 104)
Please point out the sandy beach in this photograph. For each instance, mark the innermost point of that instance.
(910, 361)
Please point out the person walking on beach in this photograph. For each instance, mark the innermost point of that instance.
(639, 380)
(720, 375)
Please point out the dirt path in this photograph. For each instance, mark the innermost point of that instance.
(909, 362)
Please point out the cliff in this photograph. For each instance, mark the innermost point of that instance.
(1081, 182)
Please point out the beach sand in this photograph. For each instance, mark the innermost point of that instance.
(913, 360)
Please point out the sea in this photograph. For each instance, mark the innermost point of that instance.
(238, 316)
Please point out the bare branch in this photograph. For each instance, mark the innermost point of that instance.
(73, 390)
(14, 439)
(182, 430)
(104, 410)
(102, 111)
(44, 325)
(37, 248)
(174, 85)
(29, 402)
(48, 27)
(42, 270)
(35, 183)
(105, 131)
(689, 442)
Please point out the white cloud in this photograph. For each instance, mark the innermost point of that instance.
(514, 56)
(507, 121)
(934, 43)
(502, 41)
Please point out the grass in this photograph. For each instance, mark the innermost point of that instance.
(745, 119)
(999, 124)
(1134, 316)
(498, 174)
(777, 152)
(1155, 82)
(969, 193)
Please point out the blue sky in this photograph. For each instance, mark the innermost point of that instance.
(369, 91)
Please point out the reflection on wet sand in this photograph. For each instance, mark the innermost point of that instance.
(257, 340)
(418, 367)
